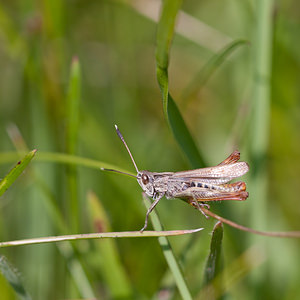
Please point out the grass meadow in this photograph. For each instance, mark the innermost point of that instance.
(187, 82)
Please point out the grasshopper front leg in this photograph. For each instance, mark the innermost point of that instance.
(150, 210)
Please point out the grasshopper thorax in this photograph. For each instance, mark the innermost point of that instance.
(146, 181)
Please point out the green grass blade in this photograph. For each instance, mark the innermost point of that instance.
(67, 250)
(235, 272)
(261, 108)
(109, 261)
(11, 177)
(171, 112)
(76, 270)
(183, 135)
(213, 287)
(209, 68)
(73, 109)
(11, 275)
(73, 106)
(169, 255)
(165, 32)
(62, 158)
(260, 130)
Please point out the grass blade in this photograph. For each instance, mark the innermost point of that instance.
(12, 276)
(183, 136)
(171, 112)
(62, 158)
(241, 267)
(202, 34)
(67, 250)
(213, 287)
(11, 177)
(77, 271)
(73, 106)
(110, 265)
(93, 236)
(169, 255)
(260, 130)
(73, 109)
(165, 31)
(261, 108)
(209, 68)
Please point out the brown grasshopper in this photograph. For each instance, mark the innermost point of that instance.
(195, 186)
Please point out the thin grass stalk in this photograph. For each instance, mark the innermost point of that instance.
(73, 108)
(261, 109)
(171, 260)
(261, 116)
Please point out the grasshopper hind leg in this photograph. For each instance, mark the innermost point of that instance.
(199, 205)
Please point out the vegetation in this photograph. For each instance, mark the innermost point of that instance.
(186, 86)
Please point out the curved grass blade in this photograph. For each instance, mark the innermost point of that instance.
(11, 275)
(183, 135)
(62, 158)
(165, 31)
(172, 114)
(213, 288)
(202, 34)
(209, 68)
(169, 255)
(11, 177)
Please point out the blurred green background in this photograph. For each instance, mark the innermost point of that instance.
(250, 100)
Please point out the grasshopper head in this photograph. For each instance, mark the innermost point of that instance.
(145, 180)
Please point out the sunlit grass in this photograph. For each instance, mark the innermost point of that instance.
(227, 78)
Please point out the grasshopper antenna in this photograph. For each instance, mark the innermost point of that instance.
(122, 139)
(116, 171)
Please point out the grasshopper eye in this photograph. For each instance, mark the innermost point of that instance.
(145, 179)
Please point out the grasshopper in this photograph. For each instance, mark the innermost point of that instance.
(195, 186)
